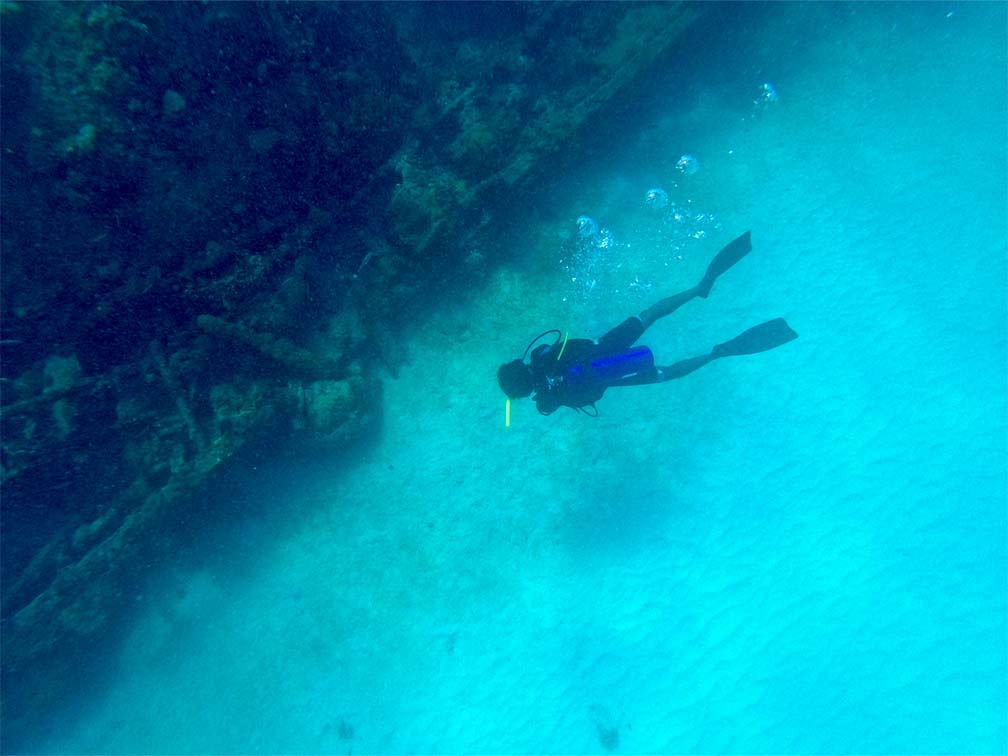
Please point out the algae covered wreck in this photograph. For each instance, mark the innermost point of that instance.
(216, 218)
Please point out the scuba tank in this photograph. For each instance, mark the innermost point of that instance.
(610, 369)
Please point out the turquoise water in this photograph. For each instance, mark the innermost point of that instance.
(798, 552)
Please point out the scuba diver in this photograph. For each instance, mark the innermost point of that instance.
(576, 372)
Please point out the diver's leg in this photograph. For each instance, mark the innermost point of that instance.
(667, 306)
(722, 261)
(761, 338)
(683, 367)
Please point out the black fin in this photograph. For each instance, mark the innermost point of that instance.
(761, 338)
(722, 261)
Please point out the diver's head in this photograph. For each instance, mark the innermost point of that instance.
(515, 379)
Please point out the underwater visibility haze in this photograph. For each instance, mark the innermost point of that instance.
(261, 264)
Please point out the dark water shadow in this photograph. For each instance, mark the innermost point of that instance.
(248, 504)
(616, 515)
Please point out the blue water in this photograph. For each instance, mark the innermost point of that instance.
(802, 551)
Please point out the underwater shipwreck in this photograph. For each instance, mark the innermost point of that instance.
(216, 220)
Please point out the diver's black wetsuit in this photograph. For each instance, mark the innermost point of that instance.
(576, 372)
(586, 368)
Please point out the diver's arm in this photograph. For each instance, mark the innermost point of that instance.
(545, 403)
